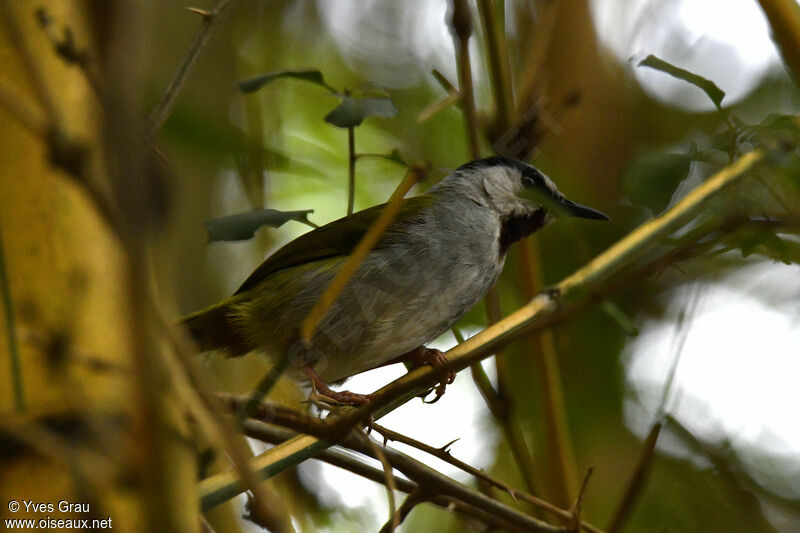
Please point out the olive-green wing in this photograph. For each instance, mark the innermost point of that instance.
(335, 239)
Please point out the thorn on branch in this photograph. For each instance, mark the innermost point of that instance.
(202, 12)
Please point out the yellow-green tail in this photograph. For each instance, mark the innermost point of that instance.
(212, 328)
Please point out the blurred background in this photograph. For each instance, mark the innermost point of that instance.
(703, 343)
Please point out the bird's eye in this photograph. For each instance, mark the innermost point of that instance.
(528, 181)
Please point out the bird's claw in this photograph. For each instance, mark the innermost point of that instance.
(437, 359)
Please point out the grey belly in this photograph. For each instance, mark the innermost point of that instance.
(393, 304)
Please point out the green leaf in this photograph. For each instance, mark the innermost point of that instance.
(615, 313)
(310, 75)
(652, 178)
(751, 241)
(352, 111)
(243, 226)
(707, 86)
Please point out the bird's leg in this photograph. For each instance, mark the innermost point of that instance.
(345, 397)
(436, 358)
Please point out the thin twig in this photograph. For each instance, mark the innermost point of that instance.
(634, 488)
(461, 25)
(191, 383)
(498, 64)
(443, 454)
(211, 21)
(351, 169)
(577, 507)
(431, 480)
(411, 501)
(394, 517)
(347, 461)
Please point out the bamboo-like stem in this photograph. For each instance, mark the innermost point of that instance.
(211, 21)
(191, 383)
(784, 19)
(40, 86)
(27, 113)
(560, 455)
(461, 24)
(501, 87)
(498, 64)
(351, 169)
(574, 292)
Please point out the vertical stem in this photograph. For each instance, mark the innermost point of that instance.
(560, 454)
(499, 403)
(11, 331)
(498, 64)
(784, 19)
(461, 23)
(637, 481)
(351, 169)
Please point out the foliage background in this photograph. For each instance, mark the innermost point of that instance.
(601, 135)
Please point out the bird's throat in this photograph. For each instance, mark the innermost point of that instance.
(518, 226)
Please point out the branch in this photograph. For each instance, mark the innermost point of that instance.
(351, 169)
(443, 454)
(347, 461)
(461, 25)
(211, 20)
(428, 478)
(637, 481)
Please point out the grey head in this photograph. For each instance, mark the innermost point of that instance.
(524, 199)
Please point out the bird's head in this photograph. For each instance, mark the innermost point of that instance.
(522, 196)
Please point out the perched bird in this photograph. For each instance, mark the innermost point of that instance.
(443, 252)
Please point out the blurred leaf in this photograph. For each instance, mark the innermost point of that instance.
(707, 86)
(652, 178)
(352, 111)
(615, 313)
(243, 226)
(310, 75)
(754, 241)
(369, 89)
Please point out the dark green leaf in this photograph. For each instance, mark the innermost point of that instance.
(752, 241)
(352, 111)
(309, 75)
(707, 86)
(243, 226)
(652, 179)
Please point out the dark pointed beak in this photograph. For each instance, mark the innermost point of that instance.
(570, 208)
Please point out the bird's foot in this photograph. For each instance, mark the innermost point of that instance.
(435, 358)
(342, 397)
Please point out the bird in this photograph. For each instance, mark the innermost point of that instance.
(440, 255)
